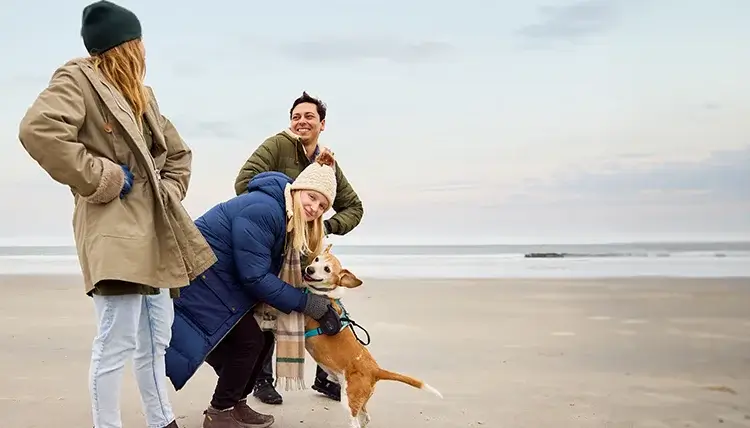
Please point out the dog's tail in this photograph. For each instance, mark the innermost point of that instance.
(416, 383)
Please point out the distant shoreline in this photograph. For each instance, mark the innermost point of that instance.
(636, 249)
(665, 260)
(68, 277)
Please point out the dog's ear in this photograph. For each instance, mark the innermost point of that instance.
(348, 279)
(328, 248)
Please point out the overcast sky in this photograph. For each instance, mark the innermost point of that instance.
(455, 121)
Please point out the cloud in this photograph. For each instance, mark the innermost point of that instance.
(572, 22)
(209, 129)
(351, 49)
(711, 106)
(220, 130)
(722, 177)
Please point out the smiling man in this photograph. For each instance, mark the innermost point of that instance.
(289, 152)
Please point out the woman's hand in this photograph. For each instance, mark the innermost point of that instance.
(320, 309)
(330, 322)
(127, 185)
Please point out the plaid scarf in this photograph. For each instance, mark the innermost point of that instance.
(289, 329)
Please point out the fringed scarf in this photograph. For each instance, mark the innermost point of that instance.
(289, 328)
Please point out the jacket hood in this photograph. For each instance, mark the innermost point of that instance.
(271, 183)
(291, 136)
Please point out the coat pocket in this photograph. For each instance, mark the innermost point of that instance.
(201, 303)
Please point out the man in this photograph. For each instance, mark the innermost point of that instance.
(289, 152)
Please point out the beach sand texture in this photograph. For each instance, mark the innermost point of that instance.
(615, 353)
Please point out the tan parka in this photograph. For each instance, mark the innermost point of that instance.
(80, 130)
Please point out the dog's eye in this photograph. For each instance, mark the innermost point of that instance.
(317, 259)
(327, 269)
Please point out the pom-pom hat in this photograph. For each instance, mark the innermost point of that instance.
(319, 176)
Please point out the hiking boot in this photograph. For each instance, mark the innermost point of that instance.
(222, 419)
(250, 418)
(266, 393)
(330, 389)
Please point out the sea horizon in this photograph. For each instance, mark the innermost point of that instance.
(672, 259)
(604, 248)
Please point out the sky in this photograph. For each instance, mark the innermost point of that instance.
(456, 122)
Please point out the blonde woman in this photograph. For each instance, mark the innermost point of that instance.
(97, 129)
(253, 236)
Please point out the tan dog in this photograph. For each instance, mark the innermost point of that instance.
(342, 356)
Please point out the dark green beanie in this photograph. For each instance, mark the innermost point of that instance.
(106, 25)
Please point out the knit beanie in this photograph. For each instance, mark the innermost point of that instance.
(106, 25)
(319, 176)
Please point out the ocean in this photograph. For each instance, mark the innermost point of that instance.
(683, 259)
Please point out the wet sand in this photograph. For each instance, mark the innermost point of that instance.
(615, 353)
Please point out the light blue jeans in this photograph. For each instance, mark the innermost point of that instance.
(137, 327)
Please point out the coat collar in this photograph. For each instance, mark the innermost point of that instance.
(122, 112)
(300, 147)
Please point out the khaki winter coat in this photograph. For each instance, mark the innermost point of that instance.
(80, 130)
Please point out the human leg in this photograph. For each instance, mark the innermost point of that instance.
(326, 386)
(259, 367)
(113, 345)
(237, 360)
(244, 411)
(266, 372)
(263, 386)
(154, 334)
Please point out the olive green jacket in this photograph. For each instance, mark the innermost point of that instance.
(285, 153)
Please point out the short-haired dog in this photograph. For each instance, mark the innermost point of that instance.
(342, 356)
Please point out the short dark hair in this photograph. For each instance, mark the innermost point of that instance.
(320, 106)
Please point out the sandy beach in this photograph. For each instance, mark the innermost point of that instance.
(630, 353)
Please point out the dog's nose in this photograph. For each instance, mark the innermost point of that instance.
(310, 270)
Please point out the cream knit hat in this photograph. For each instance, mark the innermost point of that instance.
(319, 176)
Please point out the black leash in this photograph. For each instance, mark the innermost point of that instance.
(353, 324)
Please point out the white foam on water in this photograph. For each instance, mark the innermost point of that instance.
(467, 266)
(499, 266)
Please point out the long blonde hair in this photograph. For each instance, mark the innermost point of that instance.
(307, 236)
(125, 67)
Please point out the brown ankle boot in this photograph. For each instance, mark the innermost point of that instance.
(249, 418)
(220, 419)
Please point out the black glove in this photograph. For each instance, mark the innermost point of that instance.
(330, 323)
(319, 308)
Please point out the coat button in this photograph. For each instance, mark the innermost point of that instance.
(107, 128)
(203, 276)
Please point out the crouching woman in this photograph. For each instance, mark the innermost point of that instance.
(254, 236)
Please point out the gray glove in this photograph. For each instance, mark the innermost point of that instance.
(316, 306)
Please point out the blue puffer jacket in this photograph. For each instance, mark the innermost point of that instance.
(247, 234)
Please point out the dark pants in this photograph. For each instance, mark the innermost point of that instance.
(238, 360)
(266, 372)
